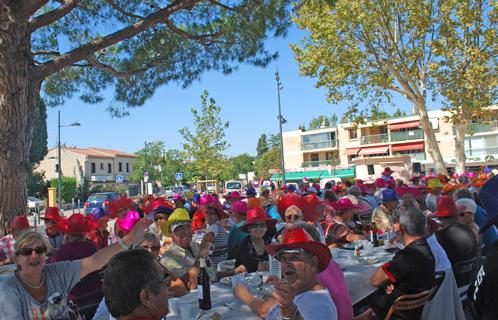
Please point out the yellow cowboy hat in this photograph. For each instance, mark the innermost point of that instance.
(179, 215)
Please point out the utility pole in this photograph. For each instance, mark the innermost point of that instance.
(281, 121)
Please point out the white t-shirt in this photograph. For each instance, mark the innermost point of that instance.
(316, 305)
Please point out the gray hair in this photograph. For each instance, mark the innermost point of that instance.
(150, 236)
(463, 180)
(355, 191)
(463, 193)
(295, 209)
(466, 205)
(413, 221)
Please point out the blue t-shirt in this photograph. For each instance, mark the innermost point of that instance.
(489, 236)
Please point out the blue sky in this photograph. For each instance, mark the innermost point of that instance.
(248, 99)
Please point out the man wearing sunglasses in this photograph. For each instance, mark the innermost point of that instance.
(136, 286)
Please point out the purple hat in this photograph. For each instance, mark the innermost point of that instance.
(196, 197)
(487, 196)
(98, 213)
(389, 195)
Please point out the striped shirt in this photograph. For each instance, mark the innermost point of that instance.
(220, 252)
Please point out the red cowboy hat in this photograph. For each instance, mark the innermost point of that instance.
(343, 204)
(257, 215)
(234, 195)
(290, 199)
(116, 205)
(404, 190)
(298, 238)
(387, 171)
(52, 213)
(380, 183)
(445, 207)
(20, 223)
(76, 224)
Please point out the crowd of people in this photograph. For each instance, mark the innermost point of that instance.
(124, 261)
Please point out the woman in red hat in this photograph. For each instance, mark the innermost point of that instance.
(341, 231)
(299, 295)
(251, 251)
(52, 227)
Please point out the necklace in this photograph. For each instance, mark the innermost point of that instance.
(30, 285)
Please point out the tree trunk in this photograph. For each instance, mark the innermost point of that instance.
(19, 91)
(430, 139)
(461, 128)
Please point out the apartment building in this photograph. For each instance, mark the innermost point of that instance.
(95, 164)
(364, 150)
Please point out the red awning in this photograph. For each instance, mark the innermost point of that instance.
(408, 146)
(352, 151)
(373, 150)
(404, 125)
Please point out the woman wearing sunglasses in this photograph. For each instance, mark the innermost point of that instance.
(29, 292)
(251, 251)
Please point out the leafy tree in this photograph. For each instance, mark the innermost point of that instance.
(36, 184)
(39, 136)
(466, 68)
(243, 163)
(302, 127)
(317, 123)
(262, 146)
(147, 160)
(364, 51)
(333, 120)
(68, 188)
(172, 163)
(204, 147)
(72, 47)
(273, 140)
(399, 113)
(269, 160)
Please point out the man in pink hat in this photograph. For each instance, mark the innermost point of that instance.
(19, 225)
(456, 239)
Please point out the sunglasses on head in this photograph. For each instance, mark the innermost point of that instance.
(295, 251)
(29, 251)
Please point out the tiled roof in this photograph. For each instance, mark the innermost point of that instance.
(114, 152)
(88, 152)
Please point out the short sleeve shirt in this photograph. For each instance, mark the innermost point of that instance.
(7, 247)
(17, 303)
(412, 269)
(178, 260)
(316, 305)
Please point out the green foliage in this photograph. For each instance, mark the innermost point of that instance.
(68, 188)
(39, 137)
(36, 185)
(171, 164)
(243, 163)
(262, 146)
(203, 148)
(147, 160)
(189, 39)
(268, 160)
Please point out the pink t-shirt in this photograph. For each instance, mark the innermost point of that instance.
(332, 278)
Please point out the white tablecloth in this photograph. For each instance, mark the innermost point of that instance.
(357, 276)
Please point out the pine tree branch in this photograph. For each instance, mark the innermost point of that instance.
(84, 51)
(122, 11)
(187, 36)
(54, 15)
(31, 6)
(107, 68)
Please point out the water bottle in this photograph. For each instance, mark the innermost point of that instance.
(274, 265)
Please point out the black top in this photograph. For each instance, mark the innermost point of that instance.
(485, 287)
(248, 256)
(411, 271)
(460, 244)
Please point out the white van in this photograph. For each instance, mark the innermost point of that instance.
(233, 185)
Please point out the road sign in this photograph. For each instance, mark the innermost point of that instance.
(119, 179)
(146, 174)
(179, 176)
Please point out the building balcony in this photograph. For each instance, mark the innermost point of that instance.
(482, 127)
(317, 164)
(481, 152)
(328, 144)
(392, 137)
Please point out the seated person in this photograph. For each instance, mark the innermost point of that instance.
(299, 295)
(136, 295)
(466, 211)
(251, 252)
(19, 225)
(457, 239)
(410, 271)
(339, 231)
(216, 234)
(384, 215)
(235, 236)
(182, 258)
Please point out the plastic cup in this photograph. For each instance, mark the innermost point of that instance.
(189, 306)
(174, 305)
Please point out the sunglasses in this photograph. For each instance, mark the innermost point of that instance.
(258, 225)
(152, 248)
(293, 217)
(295, 253)
(463, 214)
(28, 251)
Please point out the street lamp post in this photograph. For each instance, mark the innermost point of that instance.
(59, 189)
(281, 121)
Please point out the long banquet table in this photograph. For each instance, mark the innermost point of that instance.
(356, 275)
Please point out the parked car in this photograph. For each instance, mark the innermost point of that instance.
(33, 203)
(168, 192)
(233, 185)
(99, 200)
